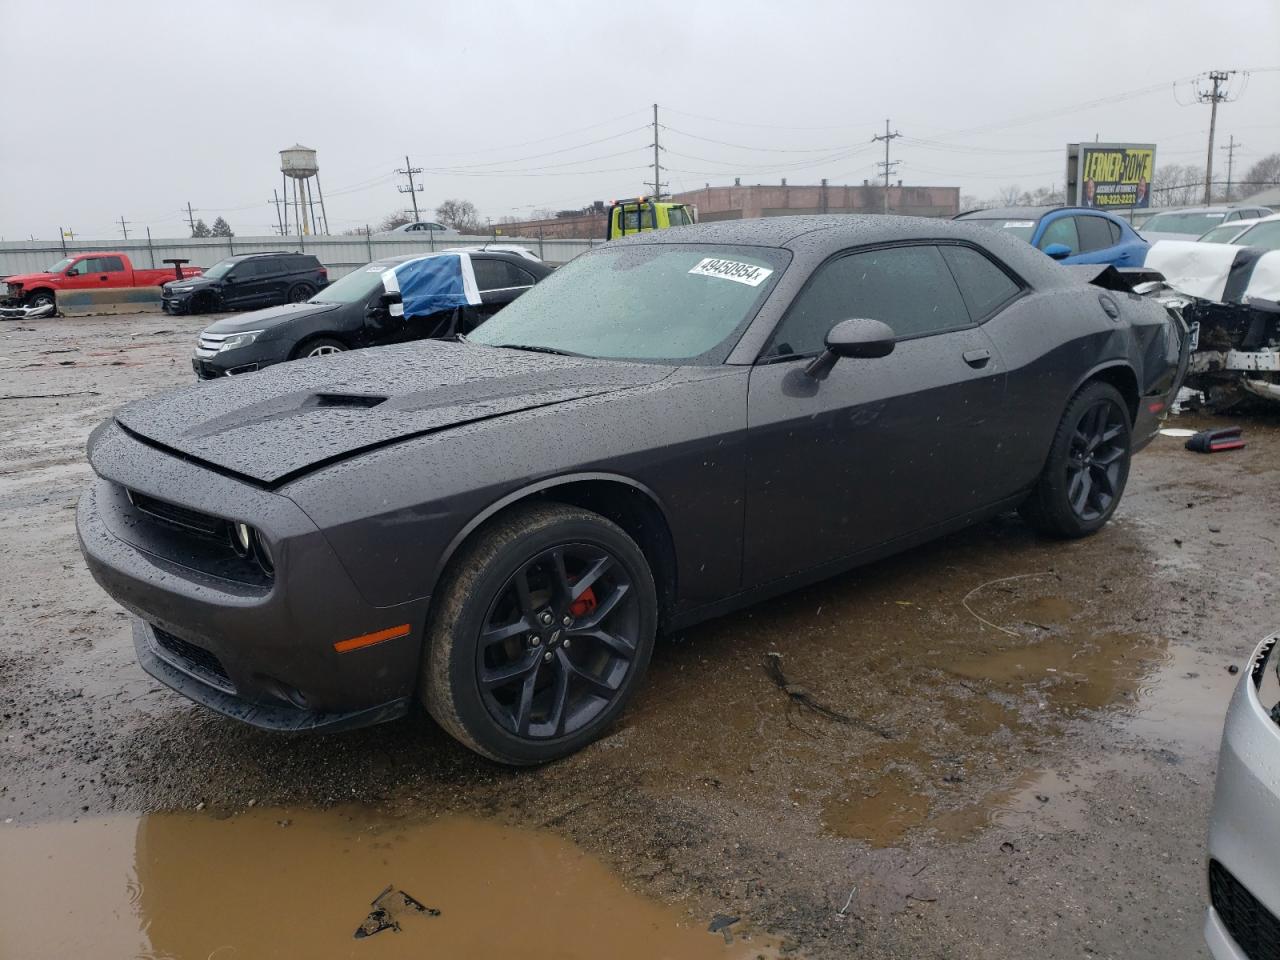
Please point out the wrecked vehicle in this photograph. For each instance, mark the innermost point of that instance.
(496, 527)
(1242, 921)
(89, 271)
(1229, 296)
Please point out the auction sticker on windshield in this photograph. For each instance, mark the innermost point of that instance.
(734, 270)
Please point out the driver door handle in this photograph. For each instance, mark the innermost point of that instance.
(977, 358)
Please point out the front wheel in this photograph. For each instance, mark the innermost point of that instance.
(41, 298)
(320, 347)
(542, 632)
(1088, 466)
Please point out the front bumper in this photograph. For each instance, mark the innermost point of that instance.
(212, 364)
(1243, 840)
(176, 303)
(260, 650)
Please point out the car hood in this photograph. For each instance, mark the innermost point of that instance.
(270, 318)
(275, 425)
(26, 279)
(194, 283)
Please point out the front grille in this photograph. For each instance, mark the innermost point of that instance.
(213, 341)
(1252, 926)
(184, 517)
(191, 659)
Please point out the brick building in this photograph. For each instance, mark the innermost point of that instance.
(740, 202)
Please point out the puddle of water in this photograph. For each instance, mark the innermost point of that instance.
(1070, 673)
(299, 884)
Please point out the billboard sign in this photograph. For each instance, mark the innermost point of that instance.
(1113, 175)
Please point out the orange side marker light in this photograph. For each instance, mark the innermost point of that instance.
(369, 639)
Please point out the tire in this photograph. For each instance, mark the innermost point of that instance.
(301, 292)
(202, 303)
(319, 347)
(565, 684)
(1088, 466)
(39, 298)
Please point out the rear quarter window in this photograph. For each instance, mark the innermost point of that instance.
(984, 286)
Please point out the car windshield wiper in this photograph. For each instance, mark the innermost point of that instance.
(536, 349)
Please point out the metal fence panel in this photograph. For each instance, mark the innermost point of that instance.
(340, 254)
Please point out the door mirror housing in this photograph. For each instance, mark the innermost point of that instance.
(1057, 251)
(864, 339)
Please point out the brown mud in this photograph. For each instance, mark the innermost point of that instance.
(1027, 764)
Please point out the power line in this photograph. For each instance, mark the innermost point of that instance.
(1231, 147)
(408, 171)
(1213, 96)
(741, 146)
(886, 165)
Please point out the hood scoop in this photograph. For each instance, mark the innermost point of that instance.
(357, 401)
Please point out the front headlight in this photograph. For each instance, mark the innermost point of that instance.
(237, 340)
(178, 289)
(1266, 675)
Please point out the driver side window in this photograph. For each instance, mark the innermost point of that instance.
(1062, 230)
(909, 288)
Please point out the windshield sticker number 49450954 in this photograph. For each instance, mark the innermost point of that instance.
(734, 270)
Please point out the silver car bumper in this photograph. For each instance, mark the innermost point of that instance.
(1243, 919)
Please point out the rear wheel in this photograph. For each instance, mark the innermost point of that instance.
(542, 632)
(319, 347)
(301, 292)
(1088, 466)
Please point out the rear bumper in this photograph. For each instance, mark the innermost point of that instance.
(262, 651)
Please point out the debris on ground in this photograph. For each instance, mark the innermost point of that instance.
(389, 908)
(720, 924)
(802, 697)
(1214, 441)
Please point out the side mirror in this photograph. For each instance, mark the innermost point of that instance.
(387, 299)
(1057, 251)
(865, 339)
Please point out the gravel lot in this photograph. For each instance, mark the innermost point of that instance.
(1024, 765)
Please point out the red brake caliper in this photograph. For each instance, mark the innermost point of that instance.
(584, 605)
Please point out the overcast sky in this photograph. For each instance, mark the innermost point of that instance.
(134, 109)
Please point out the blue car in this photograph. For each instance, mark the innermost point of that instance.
(1068, 234)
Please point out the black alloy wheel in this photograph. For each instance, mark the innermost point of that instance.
(1098, 450)
(540, 632)
(558, 642)
(1088, 465)
(300, 293)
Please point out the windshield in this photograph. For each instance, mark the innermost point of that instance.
(60, 265)
(1264, 235)
(354, 286)
(1223, 232)
(1022, 229)
(660, 301)
(220, 269)
(1193, 224)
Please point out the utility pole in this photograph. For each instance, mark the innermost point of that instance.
(657, 167)
(888, 167)
(1212, 97)
(191, 218)
(275, 198)
(1231, 147)
(124, 226)
(412, 190)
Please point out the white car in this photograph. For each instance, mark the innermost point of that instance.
(420, 228)
(1189, 223)
(1226, 232)
(1242, 921)
(1264, 233)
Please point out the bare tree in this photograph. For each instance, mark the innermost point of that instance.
(459, 214)
(393, 220)
(1266, 171)
(1177, 185)
(1009, 196)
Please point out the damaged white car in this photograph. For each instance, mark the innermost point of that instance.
(1229, 297)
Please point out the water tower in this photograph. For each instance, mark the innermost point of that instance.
(298, 164)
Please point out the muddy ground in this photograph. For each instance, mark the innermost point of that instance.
(1021, 761)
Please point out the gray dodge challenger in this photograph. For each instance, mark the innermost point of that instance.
(670, 427)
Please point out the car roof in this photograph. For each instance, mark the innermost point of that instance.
(1216, 208)
(406, 257)
(1011, 213)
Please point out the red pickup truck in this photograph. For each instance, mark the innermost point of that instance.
(88, 271)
